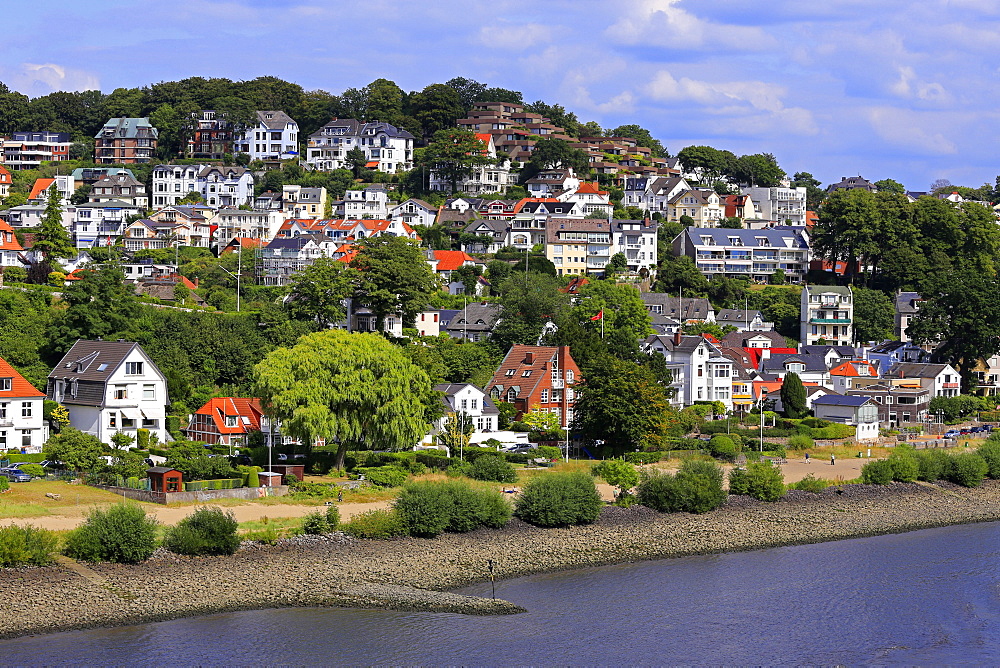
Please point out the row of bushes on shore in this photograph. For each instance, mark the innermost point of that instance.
(967, 469)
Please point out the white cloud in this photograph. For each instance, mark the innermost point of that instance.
(902, 128)
(35, 79)
(907, 86)
(515, 37)
(661, 23)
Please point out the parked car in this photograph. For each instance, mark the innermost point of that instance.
(15, 475)
(282, 457)
(245, 460)
(952, 433)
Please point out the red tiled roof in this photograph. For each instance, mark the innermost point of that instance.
(5, 177)
(8, 240)
(587, 188)
(851, 369)
(19, 387)
(451, 260)
(41, 185)
(187, 283)
(220, 407)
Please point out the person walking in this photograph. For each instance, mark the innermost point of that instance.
(807, 458)
(833, 460)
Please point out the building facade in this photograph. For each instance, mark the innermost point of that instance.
(125, 141)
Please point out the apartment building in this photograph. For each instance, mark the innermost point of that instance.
(746, 254)
(274, 137)
(827, 315)
(785, 206)
(125, 141)
(28, 150)
(387, 148)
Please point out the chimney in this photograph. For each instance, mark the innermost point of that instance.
(529, 357)
(677, 337)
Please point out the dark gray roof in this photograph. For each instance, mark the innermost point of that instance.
(842, 351)
(686, 308)
(739, 339)
(558, 208)
(905, 302)
(688, 343)
(776, 238)
(277, 121)
(476, 317)
(120, 179)
(293, 243)
(730, 315)
(449, 390)
(777, 362)
(915, 370)
(230, 172)
(83, 360)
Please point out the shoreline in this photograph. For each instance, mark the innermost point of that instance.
(415, 574)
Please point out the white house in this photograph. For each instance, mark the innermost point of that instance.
(786, 206)
(387, 148)
(700, 371)
(467, 399)
(275, 137)
(101, 223)
(372, 202)
(859, 412)
(218, 185)
(414, 212)
(21, 408)
(827, 315)
(111, 386)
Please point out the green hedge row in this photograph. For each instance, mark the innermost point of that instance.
(202, 485)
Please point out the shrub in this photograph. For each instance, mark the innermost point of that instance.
(208, 530)
(316, 523)
(458, 469)
(722, 447)
(547, 451)
(429, 508)
(4, 483)
(332, 516)
(990, 452)
(968, 469)
(26, 545)
(34, 470)
(811, 484)
(932, 465)
(878, 472)
(904, 466)
(761, 480)
(800, 442)
(379, 524)
(492, 468)
(120, 534)
(291, 478)
(620, 474)
(559, 499)
(384, 476)
(643, 457)
(696, 488)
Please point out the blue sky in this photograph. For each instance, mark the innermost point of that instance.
(889, 89)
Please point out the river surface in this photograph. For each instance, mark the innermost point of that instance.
(926, 597)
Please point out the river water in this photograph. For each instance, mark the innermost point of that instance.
(926, 597)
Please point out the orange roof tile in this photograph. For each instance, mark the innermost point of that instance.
(5, 177)
(451, 260)
(8, 240)
(851, 369)
(588, 188)
(19, 387)
(41, 185)
(220, 407)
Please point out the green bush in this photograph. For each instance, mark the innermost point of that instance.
(333, 516)
(905, 467)
(208, 530)
(968, 469)
(492, 468)
(120, 534)
(990, 452)
(811, 484)
(4, 483)
(722, 447)
(644, 457)
(833, 431)
(548, 451)
(761, 480)
(696, 488)
(384, 476)
(316, 523)
(800, 442)
(26, 545)
(559, 499)
(34, 470)
(379, 524)
(932, 465)
(620, 474)
(429, 508)
(878, 472)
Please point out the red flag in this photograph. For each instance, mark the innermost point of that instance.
(599, 316)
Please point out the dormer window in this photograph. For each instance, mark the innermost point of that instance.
(231, 420)
(6, 384)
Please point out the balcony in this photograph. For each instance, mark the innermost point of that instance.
(950, 386)
(829, 321)
(558, 383)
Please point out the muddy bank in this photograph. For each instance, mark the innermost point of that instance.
(413, 574)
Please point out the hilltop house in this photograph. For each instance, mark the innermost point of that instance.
(537, 378)
(21, 409)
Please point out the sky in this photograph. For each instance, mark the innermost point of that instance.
(901, 89)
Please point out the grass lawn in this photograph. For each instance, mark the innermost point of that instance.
(27, 499)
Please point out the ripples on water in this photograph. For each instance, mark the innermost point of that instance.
(927, 597)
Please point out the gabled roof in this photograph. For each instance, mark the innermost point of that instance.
(915, 370)
(277, 121)
(776, 363)
(449, 390)
(19, 387)
(906, 302)
(5, 177)
(854, 368)
(475, 316)
(535, 361)
(451, 260)
(40, 187)
(729, 315)
(741, 339)
(247, 411)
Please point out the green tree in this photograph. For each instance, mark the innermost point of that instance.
(101, 305)
(793, 396)
(642, 137)
(52, 239)
(357, 160)
(814, 194)
(890, 186)
(437, 107)
(710, 163)
(731, 223)
(549, 153)
(680, 273)
(760, 169)
(318, 292)
(77, 450)
(454, 154)
(623, 405)
(873, 315)
(620, 306)
(458, 427)
(357, 390)
(527, 302)
(618, 473)
(394, 278)
(778, 277)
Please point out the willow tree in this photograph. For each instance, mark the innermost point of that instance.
(357, 390)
